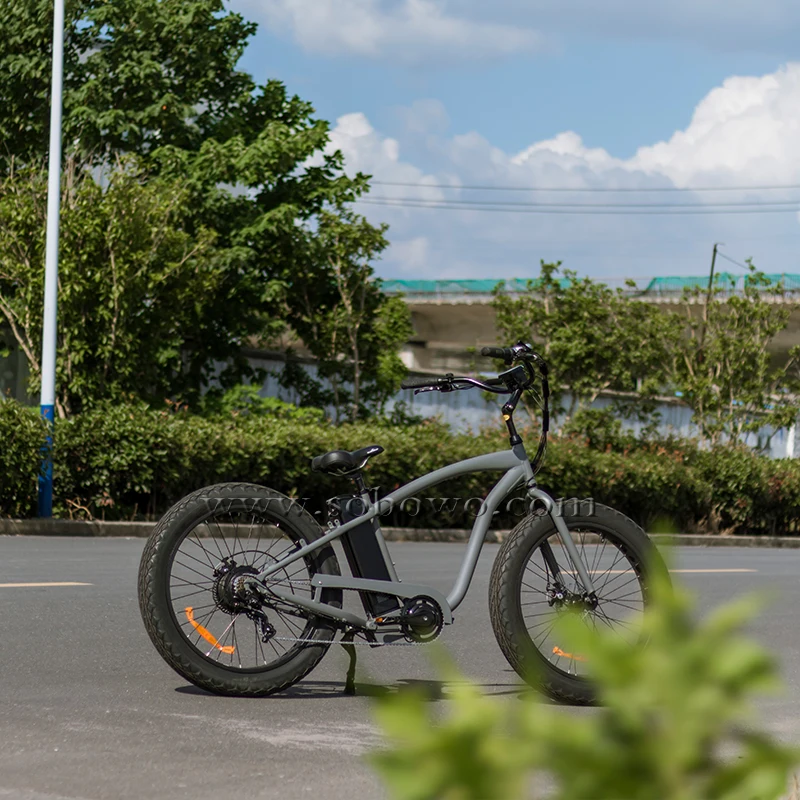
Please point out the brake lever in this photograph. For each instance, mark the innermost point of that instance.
(444, 387)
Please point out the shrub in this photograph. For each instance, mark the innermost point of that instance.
(245, 399)
(22, 434)
(127, 461)
(670, 727)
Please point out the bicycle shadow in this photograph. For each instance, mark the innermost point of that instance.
(429, 690)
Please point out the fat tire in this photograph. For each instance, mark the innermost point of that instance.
(159, 621)
(504, 593)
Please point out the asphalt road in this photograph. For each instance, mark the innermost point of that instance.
(89, 710)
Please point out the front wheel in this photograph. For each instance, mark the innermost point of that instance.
(195, 604)
(534, 581)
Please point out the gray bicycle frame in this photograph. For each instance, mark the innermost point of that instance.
(518, 470)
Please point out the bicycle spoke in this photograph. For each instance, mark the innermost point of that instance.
(247, 542)
(616, 581)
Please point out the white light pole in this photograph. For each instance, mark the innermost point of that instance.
(47, 402)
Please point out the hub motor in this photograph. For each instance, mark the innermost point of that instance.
(421, 619)
(229, 592)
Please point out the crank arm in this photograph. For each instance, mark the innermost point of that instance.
(395, 588)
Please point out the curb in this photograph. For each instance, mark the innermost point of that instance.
(96, 528)
(73, 527)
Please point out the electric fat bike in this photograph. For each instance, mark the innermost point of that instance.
(242, 593)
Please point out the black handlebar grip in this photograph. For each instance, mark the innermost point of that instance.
(419, 382)
(498, 352)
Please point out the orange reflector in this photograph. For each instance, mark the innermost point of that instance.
(206, 634)
(557, 651)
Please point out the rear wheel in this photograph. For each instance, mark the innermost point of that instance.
(534, 581)
(197, 609)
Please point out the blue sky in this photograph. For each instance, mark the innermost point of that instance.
(553, 93)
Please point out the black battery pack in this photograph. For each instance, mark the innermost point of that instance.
(363, 552)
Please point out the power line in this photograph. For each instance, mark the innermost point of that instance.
(447, 206)
(490, 188)
(514, 204)
(728, 258)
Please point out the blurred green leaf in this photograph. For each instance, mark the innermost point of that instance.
(673, 724)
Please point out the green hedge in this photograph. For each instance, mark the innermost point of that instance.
(22, 435)
(128, 462)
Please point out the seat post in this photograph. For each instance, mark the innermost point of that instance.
(358, 480)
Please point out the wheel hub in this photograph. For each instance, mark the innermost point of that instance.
(560, 597)
(229, 590)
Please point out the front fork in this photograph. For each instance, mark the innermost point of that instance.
(569, 545)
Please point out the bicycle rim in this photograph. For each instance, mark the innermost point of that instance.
(617, 578)
(207, 566)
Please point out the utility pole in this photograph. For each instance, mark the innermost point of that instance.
(47, 402)
(710, 280)
(708, 300)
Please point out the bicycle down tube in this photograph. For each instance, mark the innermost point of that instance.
(518, 470)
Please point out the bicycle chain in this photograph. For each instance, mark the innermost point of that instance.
(339, 641)
(354, 642)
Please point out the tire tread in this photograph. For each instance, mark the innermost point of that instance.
(153, 616)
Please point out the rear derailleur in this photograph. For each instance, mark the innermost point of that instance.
(231, 595)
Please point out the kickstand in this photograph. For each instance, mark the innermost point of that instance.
(350, 681)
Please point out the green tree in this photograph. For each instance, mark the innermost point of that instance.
(595, 339)
(137, 286)
(158, 79)
(138, 75)
(723, 366)
(353, 329)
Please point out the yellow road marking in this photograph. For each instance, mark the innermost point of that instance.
(33, 585)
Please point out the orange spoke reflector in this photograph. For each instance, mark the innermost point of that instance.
(557, 651)
(206, 634)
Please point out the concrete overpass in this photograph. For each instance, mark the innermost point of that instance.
(451, 316)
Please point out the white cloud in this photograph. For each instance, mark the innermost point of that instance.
(566, 149)
(713, 24)
(745, 132)
(438, 31)
(365, 150)
(425, 116)
(409, 31)
(411, 255)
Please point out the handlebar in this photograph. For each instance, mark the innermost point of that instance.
(519, 352)
(451, 383)
(507, 383)
(506, 353)
(419, 382)
(513, 381)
